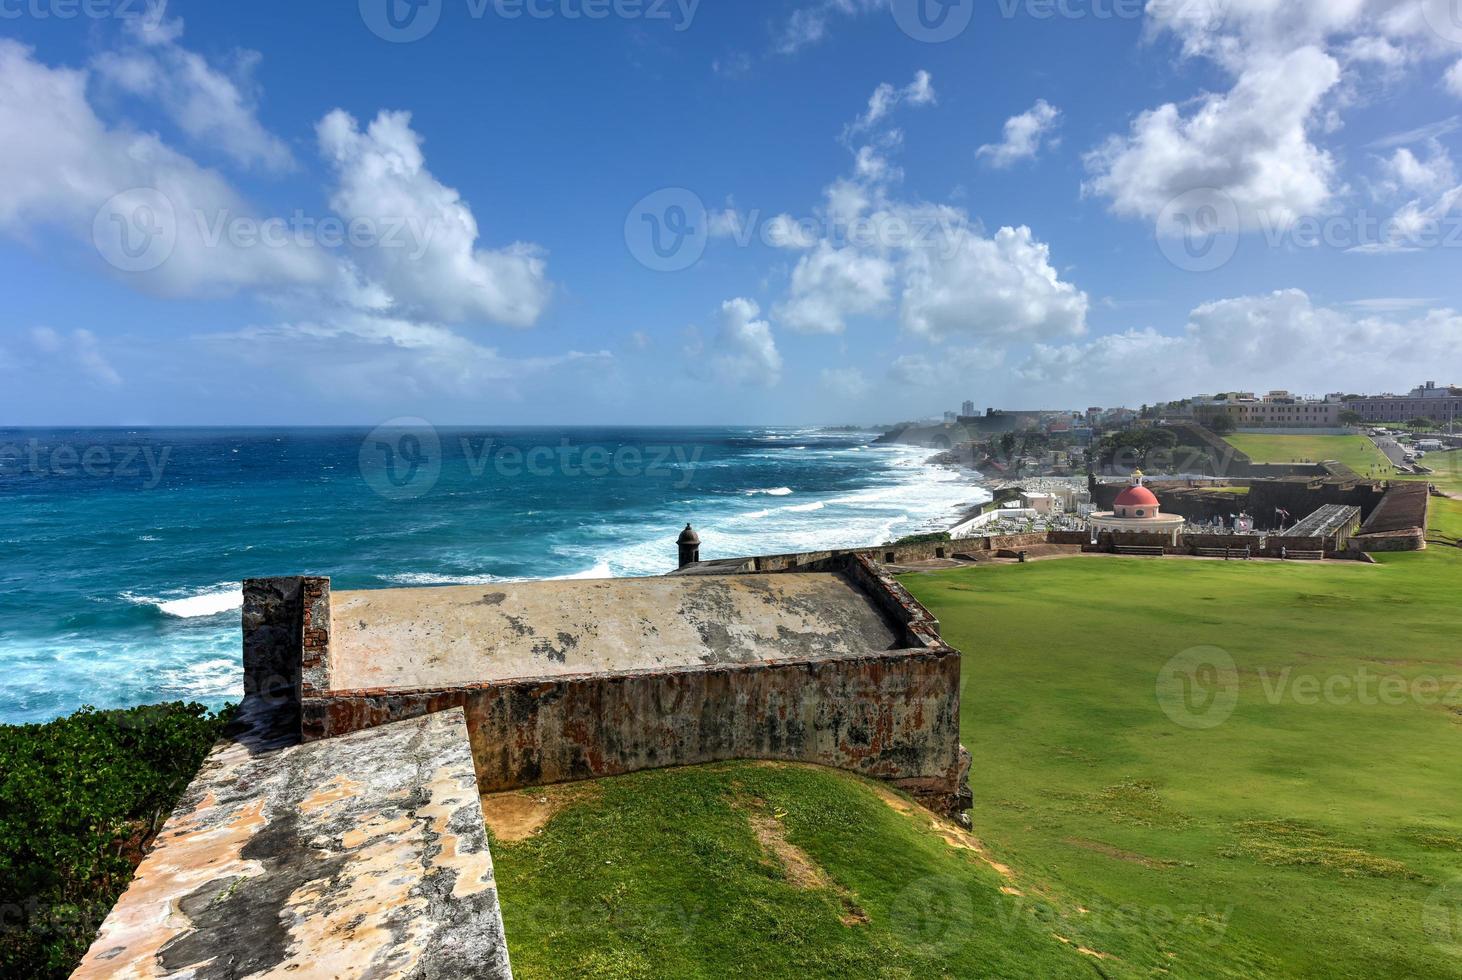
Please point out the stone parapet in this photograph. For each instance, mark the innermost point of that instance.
(835, 665)
(363, 856)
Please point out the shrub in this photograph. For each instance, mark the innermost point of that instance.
(914, 539)
(81, 799)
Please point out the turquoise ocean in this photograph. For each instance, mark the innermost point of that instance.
(123, 549)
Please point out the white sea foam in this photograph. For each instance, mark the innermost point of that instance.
(434, 578)
(907, 496)
(119, 670)
(600, 570)
(773, 492)
(217, 678)
(214, 602)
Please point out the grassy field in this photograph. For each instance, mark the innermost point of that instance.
(1324, 824)
(1314, 830)
(766, 871)
(1357, 452)
(1446, 470)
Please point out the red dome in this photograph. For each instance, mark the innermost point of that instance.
(1136, 497)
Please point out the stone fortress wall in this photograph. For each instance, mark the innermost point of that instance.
(889, 714)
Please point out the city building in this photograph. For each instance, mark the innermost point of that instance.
(1439, 403)
(999, 421)
(1276, 410)
(967, 409)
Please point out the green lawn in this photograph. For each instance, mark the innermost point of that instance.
(1325, 828)
(1357, 452)
(661, 874)
(1305, 835)
(1446, 469)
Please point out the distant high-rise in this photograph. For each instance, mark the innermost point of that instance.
(968, 410)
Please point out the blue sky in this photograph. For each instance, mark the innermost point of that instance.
(1086, 203)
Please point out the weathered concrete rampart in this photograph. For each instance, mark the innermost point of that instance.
(1399, 522)
(894, 718)
(880, 699)
(365, 857)
(888, 554)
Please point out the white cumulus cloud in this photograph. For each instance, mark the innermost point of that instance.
(886, 98)
(809, 23)
(1003, 286)
(1024, 135)
(1252, 144)
(438, 272)
(62, 164)
(831, 284)
(1276, 340)
(869, 253)
(215, 108)
(745, 352)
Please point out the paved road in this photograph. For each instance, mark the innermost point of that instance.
(1393, 449)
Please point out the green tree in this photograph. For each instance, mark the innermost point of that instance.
(1221, 424)
(1136, 448)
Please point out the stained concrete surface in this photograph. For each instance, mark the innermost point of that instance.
(450, 637)
(365, 856)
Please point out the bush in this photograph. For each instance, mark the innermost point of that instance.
(914, 539)
(81, 799)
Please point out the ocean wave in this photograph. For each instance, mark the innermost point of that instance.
(217, 678)
(773, 492)
(214, 602)
(599, 571)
